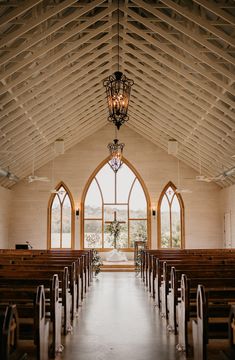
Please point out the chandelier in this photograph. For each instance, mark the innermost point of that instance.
(118, 89)
(115, 150)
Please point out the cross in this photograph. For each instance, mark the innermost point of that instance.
(111, 222)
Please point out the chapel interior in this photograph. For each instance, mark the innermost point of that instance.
(72, 169)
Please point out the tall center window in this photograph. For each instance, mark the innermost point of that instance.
(115, 194)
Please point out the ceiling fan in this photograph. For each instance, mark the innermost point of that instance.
(31, 178)
(9, 175)
(180, 190)
(224, 174)
(53, 189)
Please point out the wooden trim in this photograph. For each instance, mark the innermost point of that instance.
(61, 183)
(83, 197)
(182, 220)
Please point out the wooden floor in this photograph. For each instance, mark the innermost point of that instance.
(118, 321)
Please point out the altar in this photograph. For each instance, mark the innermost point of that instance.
(115, 256)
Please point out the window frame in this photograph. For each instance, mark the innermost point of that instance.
(148, 207)
(182, 218)
(49, 211)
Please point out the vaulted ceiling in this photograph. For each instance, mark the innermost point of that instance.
(54, 56)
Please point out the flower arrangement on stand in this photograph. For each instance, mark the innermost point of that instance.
(138, 264)
(96, 262)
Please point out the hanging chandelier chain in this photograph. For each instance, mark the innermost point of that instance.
(118, 24)
(118, 88)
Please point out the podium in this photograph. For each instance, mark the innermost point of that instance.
(22, 247)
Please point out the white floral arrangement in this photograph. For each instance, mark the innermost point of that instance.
(114, 229)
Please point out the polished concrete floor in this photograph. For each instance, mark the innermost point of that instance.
(118, 321)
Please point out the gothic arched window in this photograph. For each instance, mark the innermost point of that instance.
(109, 194)
(61, 219)
(170, 218)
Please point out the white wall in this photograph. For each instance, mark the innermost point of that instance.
(5, 208)
(203, 223)
(227, 205)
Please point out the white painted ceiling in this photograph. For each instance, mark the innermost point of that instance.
(54, 56)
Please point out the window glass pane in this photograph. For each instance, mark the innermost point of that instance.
(122, 240)
(55, 222)
(121, 212)
(93, 202)
(138, 231)
(176, 227)
(66, 223)
(107, 190)
(61, 193)
(93, 233)
(170, 192)
(106, 180)
(55, 240)
(125, 178)
(165, 223)
(137, 204)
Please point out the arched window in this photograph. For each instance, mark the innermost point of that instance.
(61, 219)
(170, 219)
(109, 194)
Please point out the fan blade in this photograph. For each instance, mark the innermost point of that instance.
(33, 178)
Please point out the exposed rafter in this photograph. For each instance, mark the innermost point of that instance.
(54, 56)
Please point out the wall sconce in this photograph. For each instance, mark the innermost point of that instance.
(153, 212)
(77, 213)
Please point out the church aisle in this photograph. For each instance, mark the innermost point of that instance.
(118, 321)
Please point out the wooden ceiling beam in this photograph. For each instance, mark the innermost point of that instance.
(186, 61)
(50, 45)
(216, 9)
(175, 96)
(18, 11)
(43, 35)
(203, 23)
(183, 80)
(179, 69)
(51, 82)
(35, 21)
(45, 74)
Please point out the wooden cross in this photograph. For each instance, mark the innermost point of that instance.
(110, 222)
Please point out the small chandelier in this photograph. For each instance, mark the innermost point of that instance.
(115, 150)
(118, 90)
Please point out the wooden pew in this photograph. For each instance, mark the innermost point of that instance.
(187, 306)
(31, 321)
(53, 267)
(40, 277)
(9, 334)
(174, 254)
(14, 290)
(213, 308)
(163, 273)
(82, 260)
(64, 254)
(207, 270)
